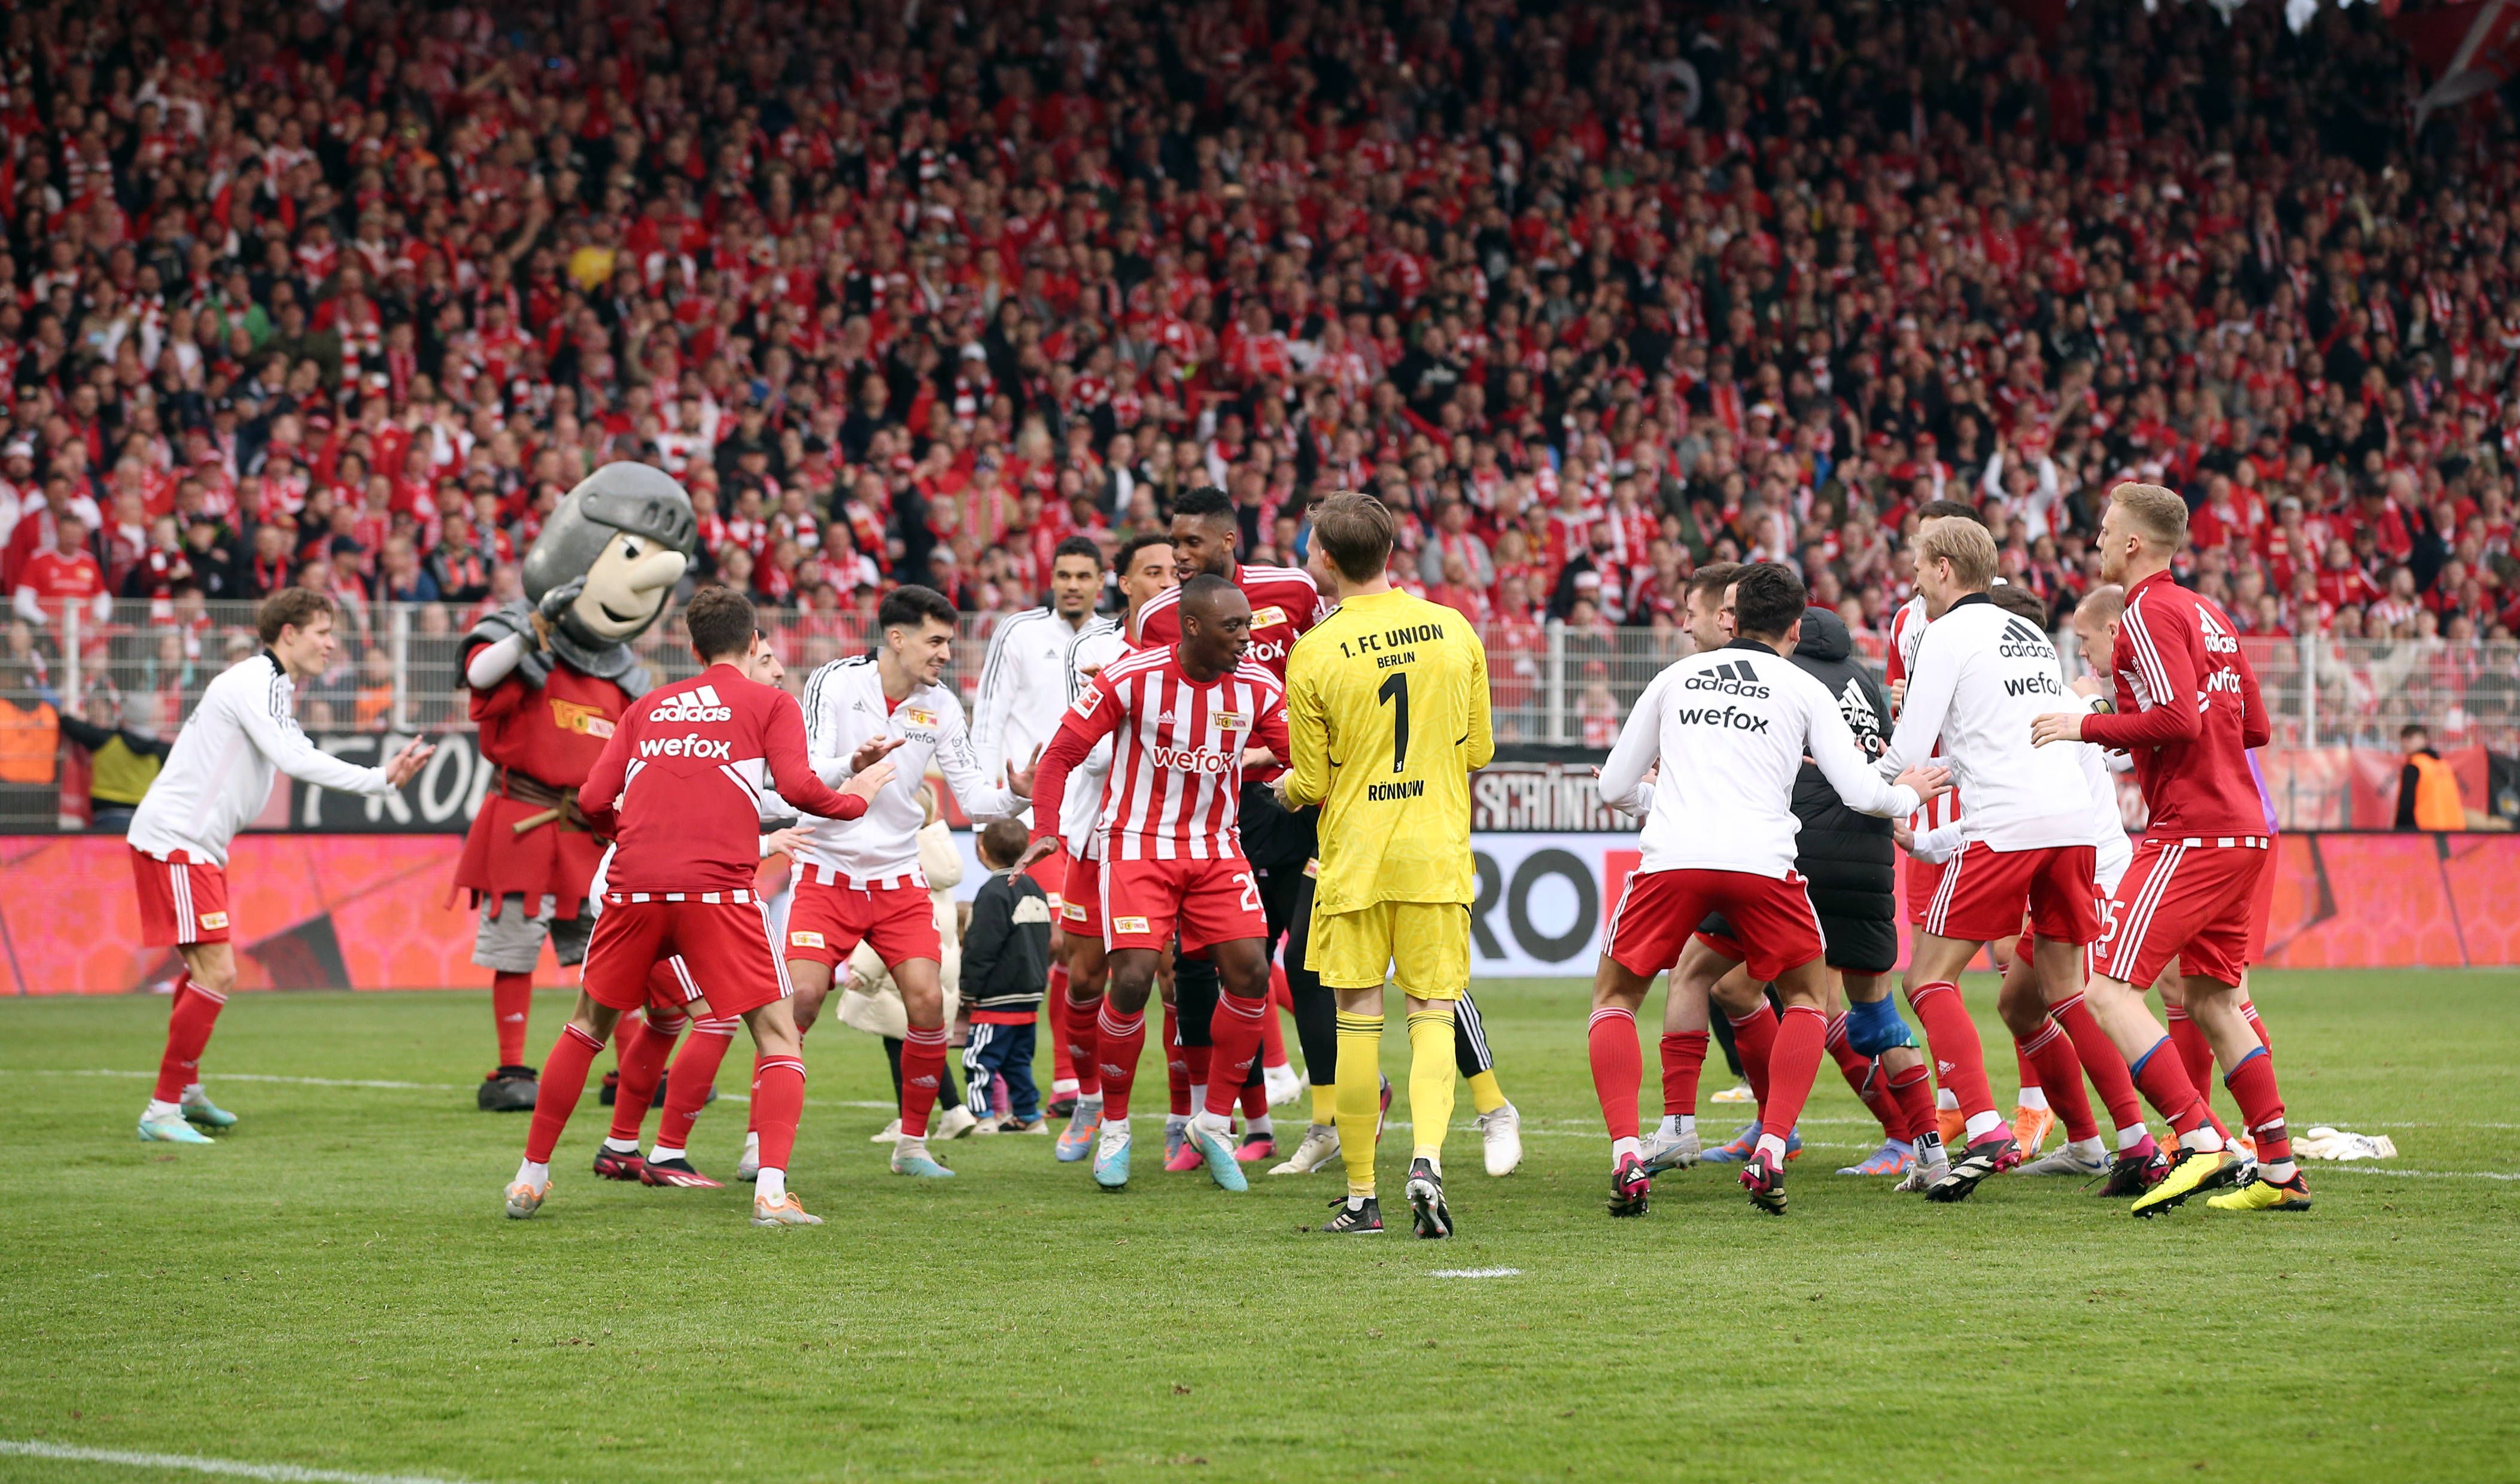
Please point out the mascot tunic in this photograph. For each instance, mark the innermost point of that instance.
(549, 678)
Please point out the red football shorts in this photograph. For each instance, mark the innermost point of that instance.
(1145, 903)
(827, 920)
(2193, 899)
(2262, 907)
(1772, 921)
(1984, 890)
(1080, 896)
(670, 985)
(1921, 879)
(1050, 874)
(182, 900)
(723, 937)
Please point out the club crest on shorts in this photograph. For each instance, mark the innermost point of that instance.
(1128, 925)
(211, 922)
(802, 939)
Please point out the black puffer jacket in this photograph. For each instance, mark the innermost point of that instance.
(1848, 857)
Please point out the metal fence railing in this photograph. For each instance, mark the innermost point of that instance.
(398, 671)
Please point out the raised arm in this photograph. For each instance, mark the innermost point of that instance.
(978, 789)
(1638, 749)
(2168, 667)
(1308, 735)
(1832, 745)
(792, 772)
(1920, 716)
(276, 736)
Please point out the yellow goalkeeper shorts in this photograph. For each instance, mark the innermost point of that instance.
(1429, 943)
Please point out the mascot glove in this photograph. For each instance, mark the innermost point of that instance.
(556, 601)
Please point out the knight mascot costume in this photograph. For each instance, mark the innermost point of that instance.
(549, 679)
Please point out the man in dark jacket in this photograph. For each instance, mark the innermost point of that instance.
(1005, 960)
(1846, 857)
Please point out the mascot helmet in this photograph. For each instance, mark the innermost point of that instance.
(624, 537)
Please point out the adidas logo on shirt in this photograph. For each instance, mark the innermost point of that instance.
(2022, 641)
(701, 704)
(2218, 639)
(1733, 676)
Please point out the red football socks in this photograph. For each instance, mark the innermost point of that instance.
(1084, 1039)
(1960, 1060)
(1684, 1056)
(642, 1061)
(2025, 1072)
(512, 1001)
(2060, 1072)
(1753, 1035)
(1176, 1065)
(1618, 1067)
(1272, 1034)
(2100, 1061)
(1913, 1091)
(922, 1067)
(2249, 1012)
(778, 1091)
(1123, 1038)
(2164, 1084)
(695, 1076)
(1865, 1081)
(1793, 1064)
(1237, 1026)
(189, 1022)
(2253, 1088)
(2195, 1053)
(1062, 1063)
(564, 1082)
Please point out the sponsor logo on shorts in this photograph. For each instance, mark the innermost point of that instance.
(701, 704)
(1075, 912)
(1128, 925)
(689, 744)
(805, 939)
(213, 921)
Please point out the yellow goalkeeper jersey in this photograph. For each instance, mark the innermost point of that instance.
(1386, 715)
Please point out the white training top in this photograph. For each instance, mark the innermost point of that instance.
(1100, 644)
(1730, 728)
(1024, 689)
(844, 709)
(1981, 677)
(218, 775)
(2112, 850)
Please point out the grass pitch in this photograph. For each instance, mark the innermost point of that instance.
(333, 1287)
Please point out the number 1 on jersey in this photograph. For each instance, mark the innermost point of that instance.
(1395, 689)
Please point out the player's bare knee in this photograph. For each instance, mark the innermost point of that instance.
(595, 1019)
(212, 967)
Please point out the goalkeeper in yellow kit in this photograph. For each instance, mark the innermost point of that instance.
(1386, 715)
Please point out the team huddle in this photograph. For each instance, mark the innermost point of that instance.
(1247, 757)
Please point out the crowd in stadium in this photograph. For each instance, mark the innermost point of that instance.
(1587, 293)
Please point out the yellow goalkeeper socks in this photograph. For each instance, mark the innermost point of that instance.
(1360, 1096)
(1485, 1095)
(1430, 1080)
(1325, 1103)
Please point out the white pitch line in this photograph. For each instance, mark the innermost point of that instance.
(287, 1474)
(1476, 1273)
(2359, 1167)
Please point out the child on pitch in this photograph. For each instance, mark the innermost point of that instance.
(1005, 960)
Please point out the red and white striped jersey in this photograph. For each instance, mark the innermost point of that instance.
(1906, 634)
(1177, 755)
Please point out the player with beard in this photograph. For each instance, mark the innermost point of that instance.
(1146, 569)
(1024, 689)
(1710, 755)
(1181, 718)
(2187, 710)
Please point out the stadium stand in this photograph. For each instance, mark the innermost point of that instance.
(1588, 292)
